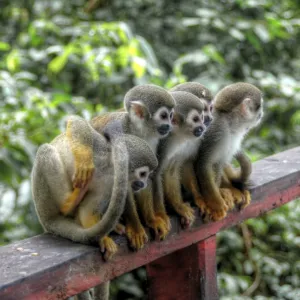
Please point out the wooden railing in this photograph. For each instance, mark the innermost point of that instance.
(181, 267)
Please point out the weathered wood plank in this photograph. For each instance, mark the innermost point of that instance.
(62, 268)
(189, 273)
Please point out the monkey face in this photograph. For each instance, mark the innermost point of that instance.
(252, 111)
(162, 121)
(195, 123)
(138, 179)
(207, 113)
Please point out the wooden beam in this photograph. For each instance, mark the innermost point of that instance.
(49, 267)
(189, 273)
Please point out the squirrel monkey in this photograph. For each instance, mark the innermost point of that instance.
(180, 146)
(118, 164)
(231, 178)
(148, 114)
(236, 109)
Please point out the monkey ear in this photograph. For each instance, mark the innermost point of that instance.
(245, 107)
(138, 109)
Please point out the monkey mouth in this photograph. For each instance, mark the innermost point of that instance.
(137, 185)
(198, 131)
(164, 129)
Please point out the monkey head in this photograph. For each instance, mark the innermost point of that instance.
(188, 119)
(202, 93)
(243, 103)
(142, 162)
(151, 108)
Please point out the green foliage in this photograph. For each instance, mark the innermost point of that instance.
(56, 59)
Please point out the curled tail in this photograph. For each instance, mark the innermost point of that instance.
(242, 180)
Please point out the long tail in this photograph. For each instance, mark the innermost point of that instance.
(242, 181)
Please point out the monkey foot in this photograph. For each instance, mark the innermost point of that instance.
(229, 197)
(120, 229)
(137, 237)
(160, 228)
(204, 209)
(187, 215)
(165, 218)
(108, 247)
(217, 215)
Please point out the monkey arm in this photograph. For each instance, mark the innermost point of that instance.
(80, 137)
(174, 198)
(134, 229)
(210, 191)
(189, 181)
(145, 204)
(158, 198)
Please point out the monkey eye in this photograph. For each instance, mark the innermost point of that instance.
(171, 115)
(143, 174)
(210, 108)
(196, 119)
(258, 106)
(164, 115)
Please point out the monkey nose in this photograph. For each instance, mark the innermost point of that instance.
(198, 131)
(137, 185)
(207, 120)
(164, 129)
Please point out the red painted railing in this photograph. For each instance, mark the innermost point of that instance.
(181, 267)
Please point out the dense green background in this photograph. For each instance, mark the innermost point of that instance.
(79, 57)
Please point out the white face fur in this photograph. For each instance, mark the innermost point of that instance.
(193, 125)
(163, 120)
(139, 178)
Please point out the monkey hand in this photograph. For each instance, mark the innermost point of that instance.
(161, 229)
(84, 166)
(187, 214)
(219, 208)
(137, 236)
(108, 247)
(165, 218)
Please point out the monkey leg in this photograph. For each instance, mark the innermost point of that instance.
(158, 200)
(145, 205)
(82, 152)
(107, 246)
(189, 181)
(135, 231)
(174, 198)
(211, 193)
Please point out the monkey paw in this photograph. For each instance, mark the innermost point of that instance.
(165, 218)
(137, 238)
(204, 209)
(84, 170)
(217, 215)
(229, 197)
(120, 229)
(108, 247)
(187, 215)
(161, 229)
